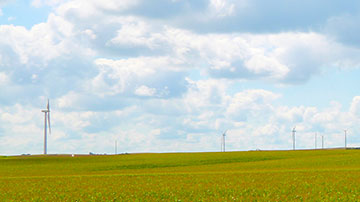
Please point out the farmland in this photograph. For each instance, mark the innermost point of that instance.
(320, 175)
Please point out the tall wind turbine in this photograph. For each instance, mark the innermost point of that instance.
(293, 137)
(46, 121)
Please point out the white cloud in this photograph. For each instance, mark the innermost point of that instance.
(19, 128)
(123, 76)
(135, 32)
(18, 114)
(222, 8)
(273, 57)
(355, 106)
(88, 9)
(43, 42)
(90, 33)
(291, 114)
(139, 130)
(205, 94)
(68, 100)
(4, 78)
(256, 102)
(76, 121)
(145, 91)
(115, 5)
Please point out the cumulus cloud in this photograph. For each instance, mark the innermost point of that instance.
(355, 106)
(272, 57)
(205, 94)
(257, 102)
(162, 74)
(19, 131)
(42, 43)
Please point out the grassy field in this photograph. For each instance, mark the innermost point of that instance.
(322, 175)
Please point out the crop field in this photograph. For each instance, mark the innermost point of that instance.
(320, 175)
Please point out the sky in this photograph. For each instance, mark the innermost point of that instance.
(173, 75)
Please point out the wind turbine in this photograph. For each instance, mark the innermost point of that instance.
(293, 137)
(345, 138)
(46, 121)
(223, 140)
(115, 147)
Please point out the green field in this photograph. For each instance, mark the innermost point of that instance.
(322, 175)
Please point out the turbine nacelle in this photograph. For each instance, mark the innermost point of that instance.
(224, 134)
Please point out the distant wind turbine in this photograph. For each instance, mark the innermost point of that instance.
(293, 137)
(223, 141)
(345, 138)
(115, 147)
(46, 121)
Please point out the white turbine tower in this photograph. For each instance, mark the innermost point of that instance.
(293, 137)
(115, 147)
(223, 141)
(345, 131)
(46, 121)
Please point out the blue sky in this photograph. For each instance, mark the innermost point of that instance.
(172, 75)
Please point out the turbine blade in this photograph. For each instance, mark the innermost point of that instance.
(49, 122)
(48, 105)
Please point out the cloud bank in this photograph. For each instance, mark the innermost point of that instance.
(173, 75)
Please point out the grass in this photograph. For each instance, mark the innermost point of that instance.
(321, 175)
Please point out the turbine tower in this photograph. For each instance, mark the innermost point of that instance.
(315, 140)
(223, 141)
(115, 147)
(293, 137)
(345, 138)
(46, 121)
